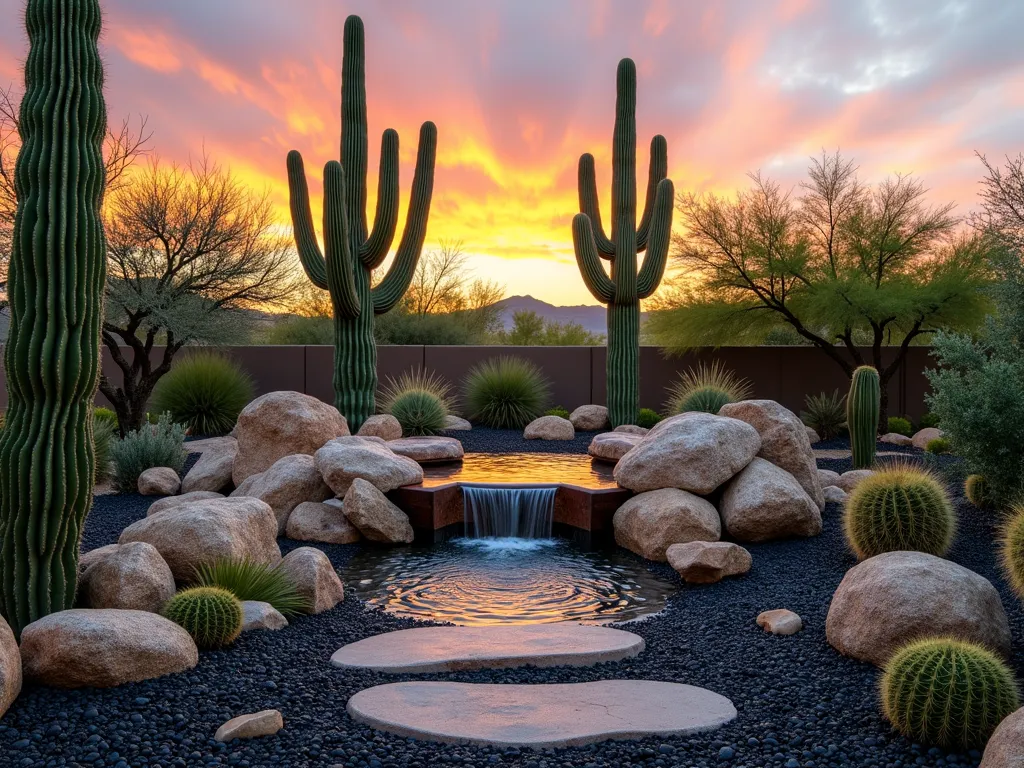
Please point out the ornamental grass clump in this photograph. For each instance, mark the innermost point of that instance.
(205, 392)
(899, 508)
(947, 692)
(420, 401)
(505, 393)
(825, 414)
(250, 580)
(212, 616)
(152, 445)
(706, 388)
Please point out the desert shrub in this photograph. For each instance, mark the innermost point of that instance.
(899, 508)
(205, 392)
(977, 492)
(648, 418)
(706, 388)
(103, 436)
(929, 420)
(939, 446)
(301, 331)
(249, 580)
(419, 400)
(559, 411)
(154, 445)
(947, 692)
(825, 414)
(505, 393)
(100, 415)
(900, 426)
(213, 616)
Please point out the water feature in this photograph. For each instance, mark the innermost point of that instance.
(495, 511)
(526, 468)
(475, 582)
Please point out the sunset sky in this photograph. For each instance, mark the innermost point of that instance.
(520, 88)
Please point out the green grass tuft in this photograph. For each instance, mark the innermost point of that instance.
(706, 388)
(248, 580)
(420, 401)
(205, 392)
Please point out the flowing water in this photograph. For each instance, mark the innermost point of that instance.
(504, 512)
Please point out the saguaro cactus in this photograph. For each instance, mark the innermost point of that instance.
(55, 288)
(862, 408)
(351, 251)
(625, 288)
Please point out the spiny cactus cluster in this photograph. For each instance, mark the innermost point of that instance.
(977, 491)
(899, 508)
(1012, 548)
(351, 250)
(947, 692)
(56, 280)
(627, 285)
(213, 616)
(862, 409)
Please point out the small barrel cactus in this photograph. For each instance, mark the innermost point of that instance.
(899, 508)
(947, 692)
(1012, 548)
(862, 408)
(213, 616)
(977, 491)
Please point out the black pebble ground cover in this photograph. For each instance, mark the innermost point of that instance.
(801, 704)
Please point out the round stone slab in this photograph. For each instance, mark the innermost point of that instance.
(540, 716)
(447, 649)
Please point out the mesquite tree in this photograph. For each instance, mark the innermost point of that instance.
(625, 288)
(57, 273)
(352, 251)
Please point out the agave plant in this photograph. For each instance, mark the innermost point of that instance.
(706, 388)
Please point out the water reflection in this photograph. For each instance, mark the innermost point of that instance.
(478, 582)
(533, 468)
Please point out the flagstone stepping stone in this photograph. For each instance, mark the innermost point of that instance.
(447, 649)
(539, 716)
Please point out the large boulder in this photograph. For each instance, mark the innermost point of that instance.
(213, 471)
(651, 522)
(290, 481)
(612, 446)
(314, 577)
(784, 441)
(375, 516)
(103, 648)
(707, 562)
(428, 450)
(924, 436)
(203, 532)
(590, 418)
(86, 559)
(694, 452)
(10, 667)
(549, 428)
(765, 502)
(159, 481)
(346, 458)
(323, 523)
(133, 576)
(1005, 749)
(382, 425)
(176, 501)
(280, 424)
(893, 598)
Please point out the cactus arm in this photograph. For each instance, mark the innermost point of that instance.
(656, 173)
(589, 260)
(395, 283)
(587, 183)
(340, 276)
(353, 124)
(385, 220)
(660, 235)
(302, 222)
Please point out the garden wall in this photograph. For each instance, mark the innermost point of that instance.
(785, 374)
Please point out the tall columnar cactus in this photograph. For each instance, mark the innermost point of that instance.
(55, 288)
(352, 252)
(862, 407)
(624, 289)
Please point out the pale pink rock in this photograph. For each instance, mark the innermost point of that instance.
(780, 622)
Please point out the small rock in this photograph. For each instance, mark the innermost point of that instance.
(849, 480)
(590, 418)
(612, 446)
(314, 578)
(10, 667)
(894, 438)
(176, 501)
(549, 428)
(780, 622)
(427, 450)
(707, 562)
(159, 481)
(812, 435)
(213, 471)
(383, 425)
(921, 439)
(455, 424)
(834, 494)
(321, 522)
(260, 615)
(827, 477)
(265, 723)
(375, 516)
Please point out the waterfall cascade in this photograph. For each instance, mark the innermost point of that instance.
(496, 511)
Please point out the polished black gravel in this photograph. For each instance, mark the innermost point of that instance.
(801, 704)
(483, 440)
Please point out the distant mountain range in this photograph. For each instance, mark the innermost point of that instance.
(594, 319)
